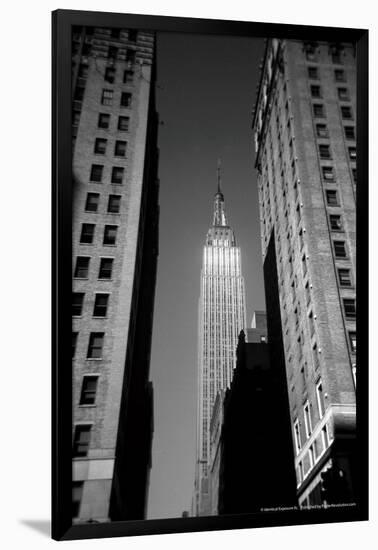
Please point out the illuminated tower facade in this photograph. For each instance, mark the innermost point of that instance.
(221, 318)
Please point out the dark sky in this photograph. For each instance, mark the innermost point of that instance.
(206, 91)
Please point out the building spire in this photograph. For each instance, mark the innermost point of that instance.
(219, 177)
(219, 218)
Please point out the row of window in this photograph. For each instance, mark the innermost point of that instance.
(100, 305)
(318, 110)
(88, 232)
(308, 418)
(104, 122)
(322, 131)
(119, 147)
(110, 75)
(93, 200)
(325, 154)
(97, 172)
(107, 98)
(317, 92)
(312, 55)
(82, 268)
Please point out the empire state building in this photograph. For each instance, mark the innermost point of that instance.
(221, 318)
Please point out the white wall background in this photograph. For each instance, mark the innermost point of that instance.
(25, 251)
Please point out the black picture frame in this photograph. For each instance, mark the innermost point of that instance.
(62, 21)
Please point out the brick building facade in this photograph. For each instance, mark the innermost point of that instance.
(115, 193)
(304, 124)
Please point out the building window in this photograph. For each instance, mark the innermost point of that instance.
(77, 303)
(336, 56)
(332, 198)
(110, 234)
(344, 277)
(96, 172)
(123, 123)
(75, 118)
(120, 148)
(308, 293)
(297, 436)
(109, 75)
(112, 52)
(83, 70)
(313, 73)
(77, 493)
(311, 456)
(106, 267)
(100, 305)
(100, 146)
(117, 174)
(328, 173)
(312, 323)
(103, 120)
(349, 132)
(82, 267)
(315, 91)
(350, 308)
(339, 247)
(115, 33)
(74, 342)
(87, 233)
(324, 151)
(91, 203)
(321, 130)
(353, 342)
(335, 222)
(125, 99)
(352, 153)
(307, 419)
(346, 112)
(88, 390)
(130, 57)
(79, 93)
(315, 356)
(128, 76)
(318, 110)
(310, 50)
(107, 97)
(304, 265)
(339, 75)
(320, 399)
(325, 436)
(132, 35)
(343, 94)
(114, 204)
(96, 341)
(82, 439)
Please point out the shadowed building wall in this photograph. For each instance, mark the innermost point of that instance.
(256, 465)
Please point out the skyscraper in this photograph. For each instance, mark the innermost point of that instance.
(115, 248)
(304, 124)
(221, 317)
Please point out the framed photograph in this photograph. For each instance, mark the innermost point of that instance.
(210, 215)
